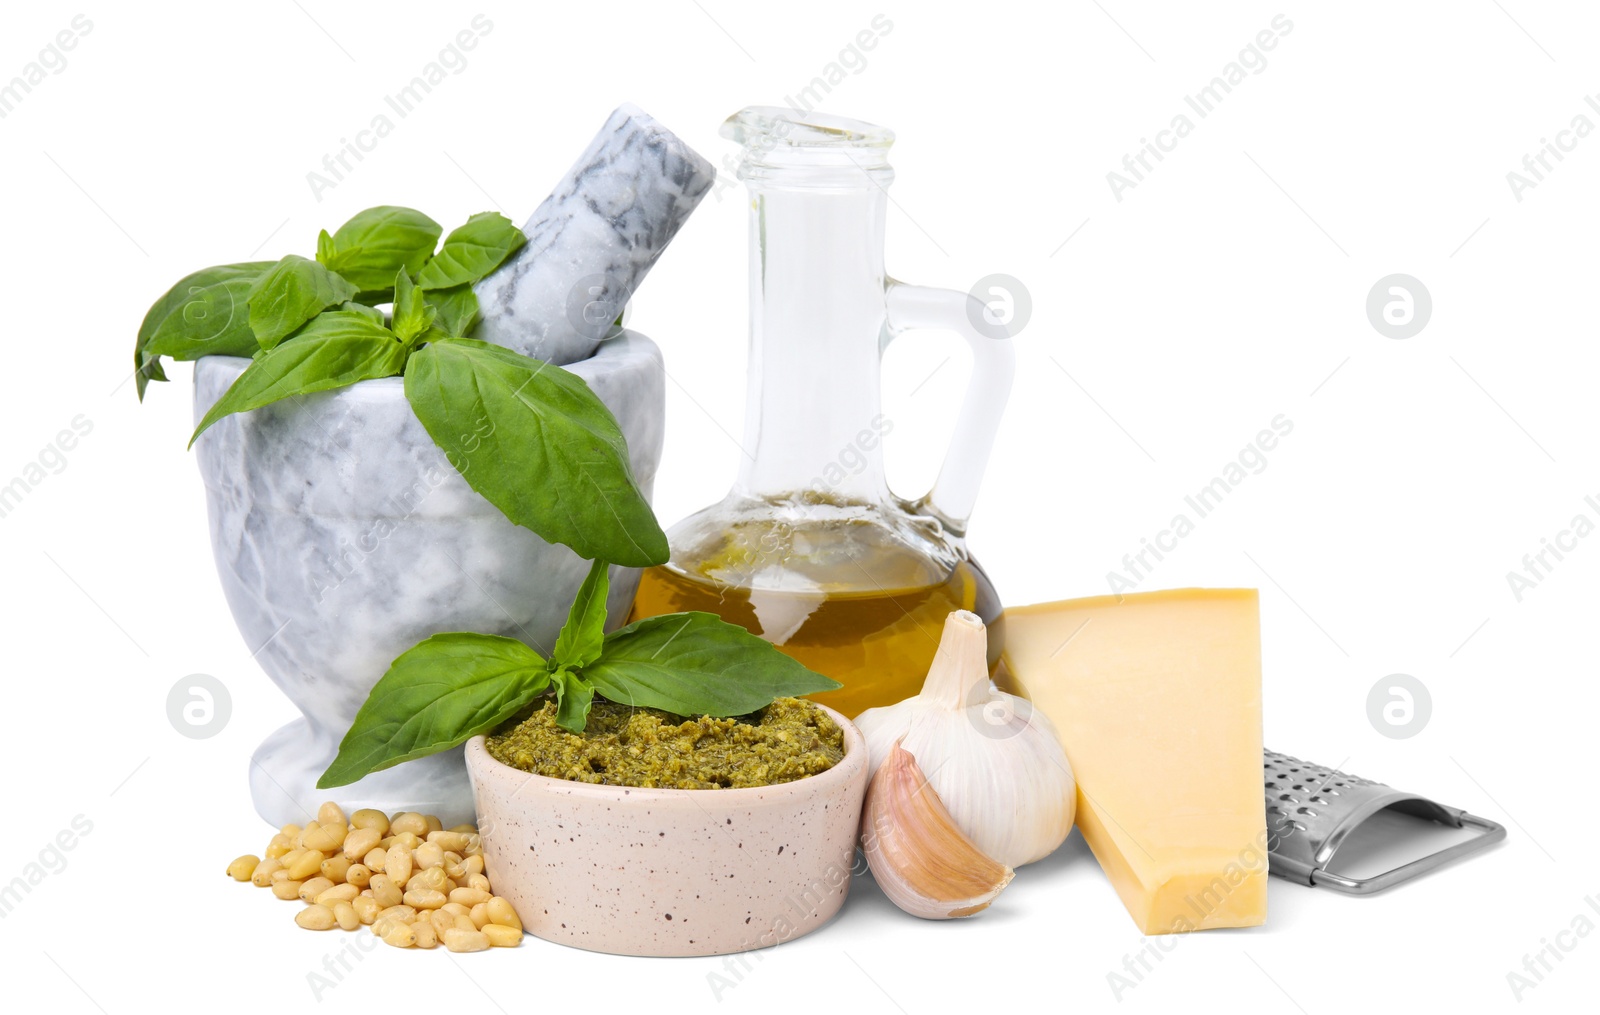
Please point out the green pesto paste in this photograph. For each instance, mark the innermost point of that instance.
(624, 746)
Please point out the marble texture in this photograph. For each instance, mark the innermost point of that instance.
(671, 871)
(593, 240)
(342, 537)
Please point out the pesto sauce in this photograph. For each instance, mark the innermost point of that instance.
(623, 746)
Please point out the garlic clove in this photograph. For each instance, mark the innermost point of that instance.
(995, 762)
(919, 857)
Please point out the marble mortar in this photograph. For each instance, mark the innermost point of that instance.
(343, 536)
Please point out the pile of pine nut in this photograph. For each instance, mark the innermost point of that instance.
(416, 883)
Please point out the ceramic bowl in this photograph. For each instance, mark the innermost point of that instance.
(670, 871)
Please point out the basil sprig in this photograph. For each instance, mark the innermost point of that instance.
(532, 438)
(451, 687)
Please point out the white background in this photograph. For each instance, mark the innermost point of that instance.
(1169, 327)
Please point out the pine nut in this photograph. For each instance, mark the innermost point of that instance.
(385, 891)
(309, 890)
(406, 840)
(360, 842)
(306, 865)
(425, 898)
(466, 940)
(325, 838)
(427, 936)
(501, 936)
(346, 914)
(410, 821)
(429, 855)
(501, 912)
(398, 864)
(400, 935)
(335, 868)
(338, 893)
(261, 877)
(315, 918)
(369, 818)
(389, 918)
(453, 842)
(440, 921)
(414, 882)
(433, 879)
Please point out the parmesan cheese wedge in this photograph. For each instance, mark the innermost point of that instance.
(1157, 698)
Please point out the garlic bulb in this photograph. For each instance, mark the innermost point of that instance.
(918, 856)
(994, 760)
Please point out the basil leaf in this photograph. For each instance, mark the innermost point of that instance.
(289, 294)
(334, 350)
(697, 664)
(380, 241)
(584, 633)
(412, 316)
(457, 310)
(573, 698)
(192, 291)
(371, 313)
(324, 248)
(537, 444)
(472, 251)
(439, 693)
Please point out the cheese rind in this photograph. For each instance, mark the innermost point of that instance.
(1157, 697)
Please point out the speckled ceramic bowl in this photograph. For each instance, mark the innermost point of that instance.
(670, 871)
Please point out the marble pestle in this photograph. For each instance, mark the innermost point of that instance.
(593, 240)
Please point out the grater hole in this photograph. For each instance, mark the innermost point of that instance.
(1308, 812)
(1318, 800)
(1298, 826)
(1272, 785)
(1288, 798)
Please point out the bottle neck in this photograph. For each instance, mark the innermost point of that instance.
(813, 422)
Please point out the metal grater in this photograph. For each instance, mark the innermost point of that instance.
(1311, 809)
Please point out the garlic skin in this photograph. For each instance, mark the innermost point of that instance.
(995, 761)
(921, 860)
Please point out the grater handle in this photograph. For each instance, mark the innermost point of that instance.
(1492, 832)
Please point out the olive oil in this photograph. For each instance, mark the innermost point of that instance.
(811, 549)
(849, 602)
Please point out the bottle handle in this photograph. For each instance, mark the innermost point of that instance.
(914, 307)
